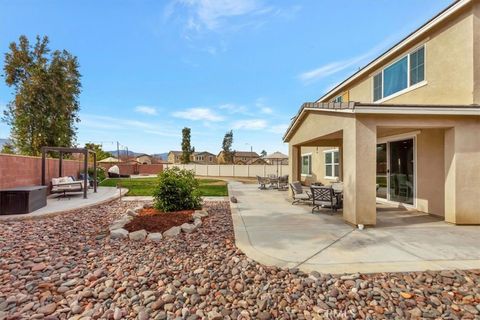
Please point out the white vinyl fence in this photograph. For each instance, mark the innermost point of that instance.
(233, 170)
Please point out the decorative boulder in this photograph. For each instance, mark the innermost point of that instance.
(188, 228)
(148, 205)
(200, 214)
(138, 209)
(197, 222)
(138, 235)
(117, 224)
(155, 236)
(173, 231)
(233, 199)
(131, 213)
(118, 233)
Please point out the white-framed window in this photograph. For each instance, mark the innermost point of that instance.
(332, 164)
(338, 99)
(306, 164)
(400, 75)
(210, 158)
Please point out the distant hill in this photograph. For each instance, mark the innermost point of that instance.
(134, 154)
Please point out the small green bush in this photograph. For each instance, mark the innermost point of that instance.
(177, 189)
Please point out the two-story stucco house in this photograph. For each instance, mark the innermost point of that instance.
(403, 130)
(203, 157)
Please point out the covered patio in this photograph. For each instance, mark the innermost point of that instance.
(272, 231)
(417, 157)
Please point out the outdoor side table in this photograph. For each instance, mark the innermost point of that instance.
(22, 199)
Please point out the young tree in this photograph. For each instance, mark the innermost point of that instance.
(227, 147)
(46, 87)
(98, 151)
(263, 153)
(8, 148)
(187, 148)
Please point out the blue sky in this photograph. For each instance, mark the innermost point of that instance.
(151, 68)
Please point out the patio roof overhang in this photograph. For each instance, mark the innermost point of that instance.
(383, 109)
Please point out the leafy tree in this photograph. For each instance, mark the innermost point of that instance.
(228, 153)
(177, 189)
(263, 153)
(98, 150)
(8, 148)
(46, 88)
(187, 148)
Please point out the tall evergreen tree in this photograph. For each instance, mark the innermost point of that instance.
(263, 153)
(227, 147)
(187, 148)
(46, 88)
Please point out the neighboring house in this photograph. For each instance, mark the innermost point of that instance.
(145, 159)
(239, 157)
(404, 129)
(276, 158)
(174, 157)
(204, 157)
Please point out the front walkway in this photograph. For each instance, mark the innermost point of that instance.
(73, 201)
(272, 231)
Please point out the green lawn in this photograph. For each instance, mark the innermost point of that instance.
(145, 186)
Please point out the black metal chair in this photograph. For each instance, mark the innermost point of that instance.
(324, 197)
(262, 181)
(298, 194)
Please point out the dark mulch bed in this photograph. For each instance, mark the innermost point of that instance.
(153, 220)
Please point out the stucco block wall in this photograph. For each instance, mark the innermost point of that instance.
(19, 171)
(452, 65)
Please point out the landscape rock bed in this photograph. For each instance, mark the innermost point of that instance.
(67, 267)
(146, 223)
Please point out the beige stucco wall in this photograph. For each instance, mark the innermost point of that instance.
(476, 52)
(318, 165)
(430, 171)
(449, 66)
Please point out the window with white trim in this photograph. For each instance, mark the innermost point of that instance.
(332, 164)
(306, 164)
(400, 75)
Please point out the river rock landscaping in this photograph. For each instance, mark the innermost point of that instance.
(68, 267)
(146, 222)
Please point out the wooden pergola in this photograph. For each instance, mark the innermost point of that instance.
(61, 150)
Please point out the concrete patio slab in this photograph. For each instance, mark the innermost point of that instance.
(272, 231)
(56, 204)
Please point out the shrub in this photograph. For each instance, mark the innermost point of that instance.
(177, 189)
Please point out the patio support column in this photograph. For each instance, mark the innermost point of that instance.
(294, 163)
(462, 178)
(359, 173)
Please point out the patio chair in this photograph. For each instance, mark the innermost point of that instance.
(298, 194)
(324, 197)
(262, 181)
(283, 183)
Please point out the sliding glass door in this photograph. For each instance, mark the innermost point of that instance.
(396, 171)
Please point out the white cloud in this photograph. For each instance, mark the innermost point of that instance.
(251, 124)
(337, 66)
(234, 108)
(146, 110)
(280, 128)
(205, 114)
(106, 122)
(210, 14)
(266, 110)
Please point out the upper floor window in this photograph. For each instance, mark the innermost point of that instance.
(338, 99)
(405, 72)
